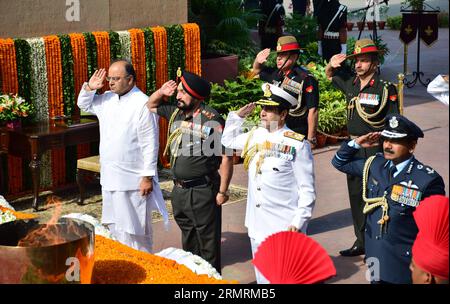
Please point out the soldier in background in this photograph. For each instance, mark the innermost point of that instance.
(271, 26)
(332, 19)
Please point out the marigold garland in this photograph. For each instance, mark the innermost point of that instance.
(138, 57)
(116, 263)
(78, 43)
(192, 46)
(56, 105)
(48, 86)
(160, 37)
(10, 84)
(103, 54)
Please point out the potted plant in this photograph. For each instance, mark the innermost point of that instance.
(350, 25)
(225, 33)
(383, 15)
(416, 5)
(12, 109)
(304, 28)
(359, 16)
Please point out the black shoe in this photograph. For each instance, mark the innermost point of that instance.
(354, 251)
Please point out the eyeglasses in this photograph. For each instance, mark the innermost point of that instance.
(115, 78)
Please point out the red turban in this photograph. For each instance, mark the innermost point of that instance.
(430, 249)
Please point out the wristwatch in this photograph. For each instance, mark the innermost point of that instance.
(313, 140)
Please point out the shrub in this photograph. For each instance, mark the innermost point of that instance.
(394, 23)
(443, 19)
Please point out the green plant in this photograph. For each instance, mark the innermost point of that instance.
(383, 11)
(333, 114)
(332, 104)
(225, 27)
(394, 23)
(234, 94)
(304, 28)
(13, 107)
(443, 19)
(414, 4)
(378, 42)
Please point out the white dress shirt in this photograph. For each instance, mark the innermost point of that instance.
(283, 194)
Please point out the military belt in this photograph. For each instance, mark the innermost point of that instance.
(190, 183)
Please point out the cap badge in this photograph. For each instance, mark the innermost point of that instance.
(393, 122)
(179, 72)
(267, 92)
(357, 49)
(279, 47)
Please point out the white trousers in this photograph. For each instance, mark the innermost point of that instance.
(260, 279)
(128, 216)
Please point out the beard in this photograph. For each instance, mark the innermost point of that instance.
(184, 107)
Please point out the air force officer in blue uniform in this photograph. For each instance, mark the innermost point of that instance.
(394, 183)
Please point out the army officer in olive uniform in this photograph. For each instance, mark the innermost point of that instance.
(297, 81)
(201, 170)
(369, 100)
(394, 183)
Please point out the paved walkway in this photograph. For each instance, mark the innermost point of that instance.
(331, 224)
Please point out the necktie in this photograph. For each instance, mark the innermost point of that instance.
(392, 170)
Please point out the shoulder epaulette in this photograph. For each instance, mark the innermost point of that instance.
(293, 135)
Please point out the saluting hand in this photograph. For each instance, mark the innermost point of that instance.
(97, 80)
(168, 88)
(261, 58)
(337, 60)
(246, 110)
(369, 140)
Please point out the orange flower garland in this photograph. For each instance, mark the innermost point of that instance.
(103, 55)
(55, 99)
(80, 74)
(10, 84)
(192, 47)
(138, 57)
(160, 38)
(19, 215)
(116, 263)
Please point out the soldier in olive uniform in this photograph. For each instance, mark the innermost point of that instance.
(369, 100)
(201, 170)
(297, 81)
(394, 184)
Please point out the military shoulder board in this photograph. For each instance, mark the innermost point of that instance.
(293, 135)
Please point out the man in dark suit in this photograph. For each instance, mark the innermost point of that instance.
(394, 183)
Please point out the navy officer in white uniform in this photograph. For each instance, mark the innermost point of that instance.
(281, 190)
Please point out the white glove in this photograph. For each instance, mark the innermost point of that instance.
(319, 49)
(343, 48)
